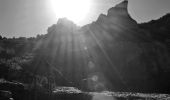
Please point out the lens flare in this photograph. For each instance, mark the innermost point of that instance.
(75, 10)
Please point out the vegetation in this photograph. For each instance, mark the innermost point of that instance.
(108, 55)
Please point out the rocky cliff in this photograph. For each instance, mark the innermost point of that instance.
(112, 53)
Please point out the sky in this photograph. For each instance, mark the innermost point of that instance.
(27, 18)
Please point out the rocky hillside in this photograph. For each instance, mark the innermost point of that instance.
(112, 53)
(159, 29)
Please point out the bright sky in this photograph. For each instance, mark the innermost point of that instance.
(31, 17)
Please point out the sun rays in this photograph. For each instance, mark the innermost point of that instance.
(74, 10)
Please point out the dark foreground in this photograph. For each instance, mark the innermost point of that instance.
(111, 96)
(71, 93)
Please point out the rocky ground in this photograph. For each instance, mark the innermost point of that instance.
(75, 94)
(17, 91)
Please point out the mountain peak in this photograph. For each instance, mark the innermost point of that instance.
(66, 24)
(123, 4)
(118, 14)
(65, 21)
(102, 17)
(120, 9)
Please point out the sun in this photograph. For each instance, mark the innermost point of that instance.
(74, 10)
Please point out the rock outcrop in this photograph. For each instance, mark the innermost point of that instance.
(112, 53)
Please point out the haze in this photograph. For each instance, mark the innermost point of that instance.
(27, 18)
